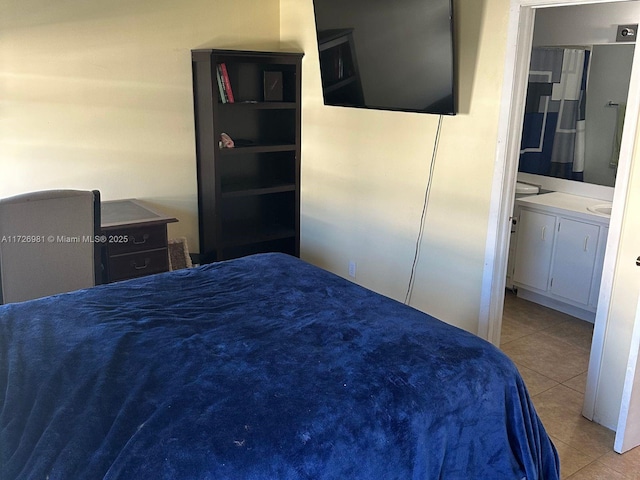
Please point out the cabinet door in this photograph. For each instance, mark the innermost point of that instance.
(574, 260)
(535, 246)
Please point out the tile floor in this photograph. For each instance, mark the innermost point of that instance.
(551, 350)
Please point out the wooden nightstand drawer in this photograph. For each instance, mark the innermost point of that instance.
(136, 239)
(138, 264)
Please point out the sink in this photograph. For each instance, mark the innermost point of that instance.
(601, 209)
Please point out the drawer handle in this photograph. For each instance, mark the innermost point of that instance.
(140, 267)
(586, 242)
(145, 237)
(544, 232)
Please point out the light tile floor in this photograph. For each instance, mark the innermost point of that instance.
(551, 350)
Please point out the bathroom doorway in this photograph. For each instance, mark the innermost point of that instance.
(519, 47)
(577, 92)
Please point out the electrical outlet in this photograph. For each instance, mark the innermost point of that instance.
(352, 269)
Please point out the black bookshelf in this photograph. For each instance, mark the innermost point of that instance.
(248, 195)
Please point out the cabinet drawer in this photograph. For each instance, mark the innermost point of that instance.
(138, 264)
(136, 239)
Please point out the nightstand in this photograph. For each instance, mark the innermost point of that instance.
(135, 239)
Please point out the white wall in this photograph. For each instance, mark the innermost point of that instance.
(98, 94)
(364, 174)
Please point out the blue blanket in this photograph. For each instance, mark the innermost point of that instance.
(258, 368)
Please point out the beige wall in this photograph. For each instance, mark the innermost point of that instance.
(364, 174)
(98, 94)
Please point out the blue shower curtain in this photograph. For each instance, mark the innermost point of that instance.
(553, 131)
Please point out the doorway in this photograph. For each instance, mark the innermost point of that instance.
(520, 37)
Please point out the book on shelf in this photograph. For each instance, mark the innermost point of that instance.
(223, 95)
(227, 82)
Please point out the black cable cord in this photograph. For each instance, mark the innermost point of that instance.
(407, 297)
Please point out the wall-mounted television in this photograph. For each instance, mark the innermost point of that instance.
(387, 54)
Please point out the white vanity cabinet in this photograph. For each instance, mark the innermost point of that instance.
(534, 250)
(575, 260)
(559, 253)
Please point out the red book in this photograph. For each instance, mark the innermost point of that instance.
(227, 83)
(223, 95)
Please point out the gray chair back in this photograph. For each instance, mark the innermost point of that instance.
(47, 243)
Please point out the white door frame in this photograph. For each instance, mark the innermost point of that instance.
(519, 42)
(628, 430)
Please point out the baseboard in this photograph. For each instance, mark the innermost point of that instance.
(572, 310)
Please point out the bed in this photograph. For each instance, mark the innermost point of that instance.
(263, 367)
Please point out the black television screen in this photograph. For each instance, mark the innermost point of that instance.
(387, 54)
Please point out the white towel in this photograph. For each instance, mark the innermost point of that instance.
(579, 146)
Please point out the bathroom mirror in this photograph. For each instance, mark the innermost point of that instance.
(575, 111)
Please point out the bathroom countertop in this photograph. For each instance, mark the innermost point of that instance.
(564, 203)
